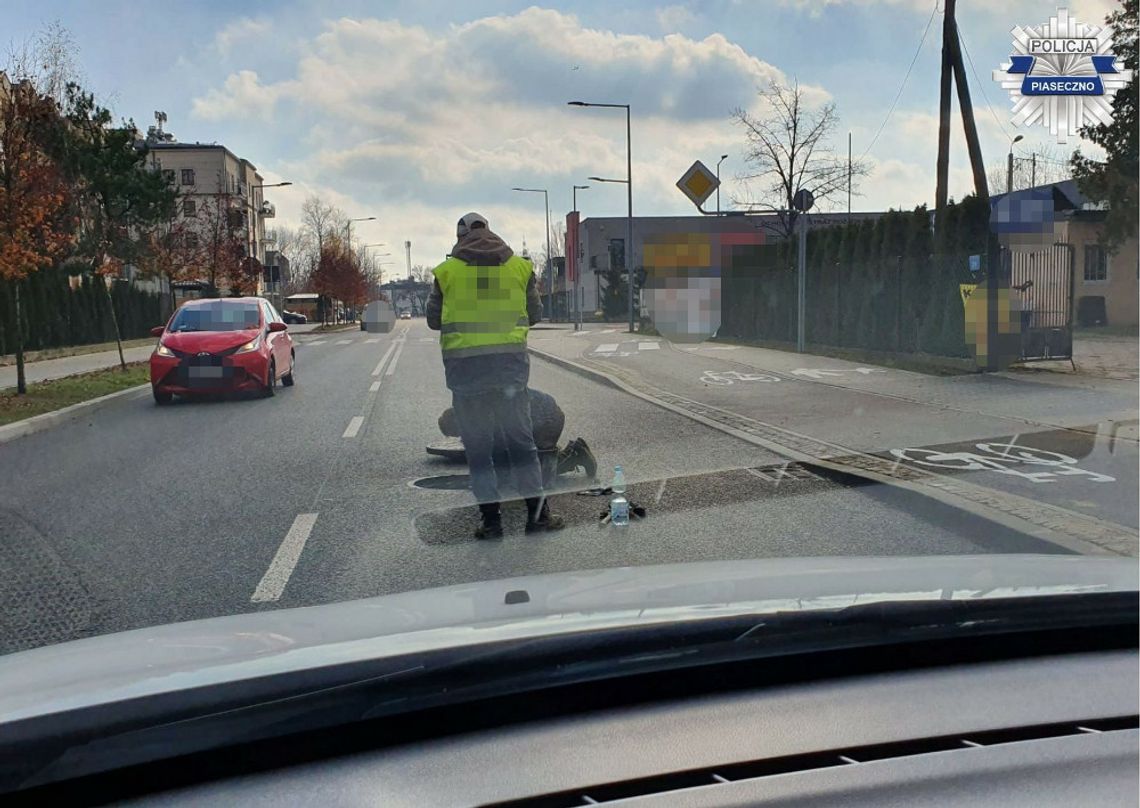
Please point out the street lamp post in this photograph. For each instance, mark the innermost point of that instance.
(1009, 165)
(723, 157)
(256, 212)
(629, 194)
(549, 263)
(577, 269)
(348, 227)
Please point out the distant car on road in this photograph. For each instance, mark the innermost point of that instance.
(294, 318)
(221, 345)
(405, 315)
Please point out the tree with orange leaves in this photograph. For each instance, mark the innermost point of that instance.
(36, 225)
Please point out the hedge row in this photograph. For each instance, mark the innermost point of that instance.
(56, 315)
(882, 285)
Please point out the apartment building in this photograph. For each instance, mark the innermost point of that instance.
(206, 172)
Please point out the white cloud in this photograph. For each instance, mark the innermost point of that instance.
(674, 18)
(436, 121)
(243, 30)
(242, 95)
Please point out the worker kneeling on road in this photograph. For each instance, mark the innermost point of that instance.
(483, 303)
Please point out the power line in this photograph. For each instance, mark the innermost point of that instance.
(981, 85)
(902, 86)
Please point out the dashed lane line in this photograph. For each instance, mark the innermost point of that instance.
(374, 386)
(353, 427)
(273, 583)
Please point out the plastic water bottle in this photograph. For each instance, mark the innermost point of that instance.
(619, 505)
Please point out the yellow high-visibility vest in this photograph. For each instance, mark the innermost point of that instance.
(484, 308)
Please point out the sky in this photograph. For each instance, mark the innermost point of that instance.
(417, 111)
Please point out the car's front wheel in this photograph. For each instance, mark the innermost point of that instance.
(161, 396)
(288, 380)
(270, 380)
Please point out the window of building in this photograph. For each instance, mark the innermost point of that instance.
(189, 207)
(187, 176)
(617, 253)
(191, 240)
(168, 175)
(1096, 263)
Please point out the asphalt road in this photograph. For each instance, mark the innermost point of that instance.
(1063, 443)
(138, 515)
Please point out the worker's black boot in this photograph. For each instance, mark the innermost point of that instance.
(492, 527)
(540, 519)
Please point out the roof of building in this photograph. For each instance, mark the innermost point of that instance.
(1067, 196)
(161, 146)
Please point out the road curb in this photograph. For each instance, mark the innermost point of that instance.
(38, 423)
(1072, 531)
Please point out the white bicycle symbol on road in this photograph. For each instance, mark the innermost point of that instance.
(724, 378)
(1002, 458)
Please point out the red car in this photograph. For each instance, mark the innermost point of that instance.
(221, 345)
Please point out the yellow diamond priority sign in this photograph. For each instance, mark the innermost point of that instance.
(698, 183)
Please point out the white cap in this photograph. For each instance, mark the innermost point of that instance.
(469, 222)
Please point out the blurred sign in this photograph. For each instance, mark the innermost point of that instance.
(975, 263)
(572, 246)
(698, 183)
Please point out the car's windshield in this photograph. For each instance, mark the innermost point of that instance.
(550, 287)
(221, 316)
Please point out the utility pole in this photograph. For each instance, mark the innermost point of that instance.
(848, 178)
(954, 69)
(966, 107)
(943, 165)
(1033, 170)
(408, 249)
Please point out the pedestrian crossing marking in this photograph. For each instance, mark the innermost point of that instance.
(647, 346)
(344, 342)
(371, 341)
(608, 347)
(316, 342)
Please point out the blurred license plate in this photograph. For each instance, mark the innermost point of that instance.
(206, 372)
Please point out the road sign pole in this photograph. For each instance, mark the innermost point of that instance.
(801, 285)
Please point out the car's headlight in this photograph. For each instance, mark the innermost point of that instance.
(162, 350)
(252, 345)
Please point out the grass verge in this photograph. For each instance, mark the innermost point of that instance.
(73, 350)
(59, 393)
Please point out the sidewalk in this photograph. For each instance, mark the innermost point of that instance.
(1106, 356)
(70, 365)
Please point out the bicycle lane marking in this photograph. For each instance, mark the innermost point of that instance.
(1074, 530)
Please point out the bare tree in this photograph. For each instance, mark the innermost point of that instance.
(422, 274)
(788, 148)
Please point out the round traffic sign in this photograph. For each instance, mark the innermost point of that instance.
(803, 200)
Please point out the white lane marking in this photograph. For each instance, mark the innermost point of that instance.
(392, 367)
(608, 347)
(344, 342)
(374, 387)
(281, 567)
(383, 359)
(315, 342)
(372, 341)
(647, 346)
(353, 426)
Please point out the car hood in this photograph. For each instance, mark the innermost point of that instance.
(209, 341)
(179, 656)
